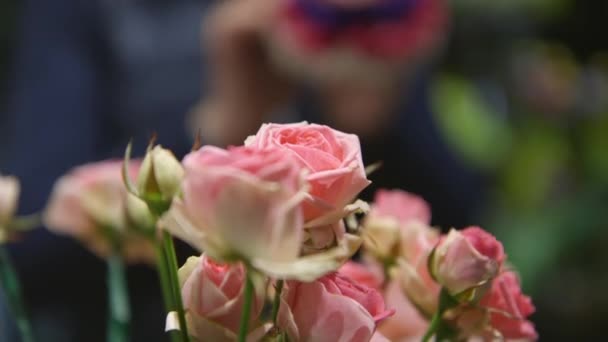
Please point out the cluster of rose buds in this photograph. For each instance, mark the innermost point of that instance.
(270, 221)
(461, 278)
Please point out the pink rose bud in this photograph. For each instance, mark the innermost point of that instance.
(509, 308)
(213, 295)
(466, 260)
(90, 199)
(391, 213)
(335, 168)
(241, 203)
(160, 176)
(332, 308)
(9, 195)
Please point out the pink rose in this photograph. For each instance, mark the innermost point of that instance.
(332, 308)
(241, 203)
(401, 205)
(407, 324)
(391, 214)
(509, 308)
(213, 295)
(466, 260)
(90, 199)
(9, 195)
(362, 274)
(335, 169)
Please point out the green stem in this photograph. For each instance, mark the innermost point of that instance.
(165, 286)
(433, 326)
(277, 300)
(171, 259)
(118, 296)
(244, 327)
(10, 284)
(437, 325)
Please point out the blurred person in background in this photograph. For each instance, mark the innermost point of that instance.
(90, 75)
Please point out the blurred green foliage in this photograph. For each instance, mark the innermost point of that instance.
(525, 99)
(472, 124)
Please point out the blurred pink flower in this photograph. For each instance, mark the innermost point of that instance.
(405, 39)
(90, 204)
(401, 205)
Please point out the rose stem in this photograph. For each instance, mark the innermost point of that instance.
(120, 315)
(12, 288)
(432, 327)
(169, 250)
(437, 325)
(277, 300)
(243, 330)
(161, 265)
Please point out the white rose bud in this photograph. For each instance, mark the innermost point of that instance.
(159, 178)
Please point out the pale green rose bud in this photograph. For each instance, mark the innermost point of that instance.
(159, 178)
(139, 215)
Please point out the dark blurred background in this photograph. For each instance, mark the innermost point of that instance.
(520, 95)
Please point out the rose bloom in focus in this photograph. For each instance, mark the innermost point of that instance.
(335, 174)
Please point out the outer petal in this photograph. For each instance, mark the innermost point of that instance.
(311, 267)
(179, 224)
(255, 218)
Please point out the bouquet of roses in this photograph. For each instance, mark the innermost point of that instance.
(276, 222)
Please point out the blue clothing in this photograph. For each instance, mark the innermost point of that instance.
(90, 75)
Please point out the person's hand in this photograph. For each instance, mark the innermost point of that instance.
(244, 86)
